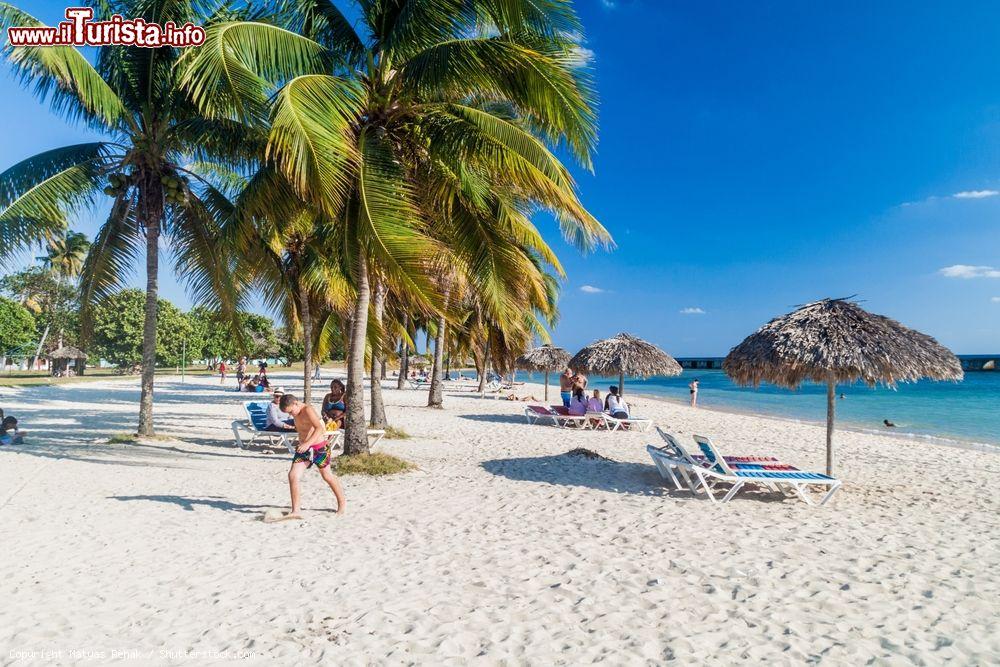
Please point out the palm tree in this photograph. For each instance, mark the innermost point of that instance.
(153, 130)
(64, 259)
(65, 254)
(468, 89)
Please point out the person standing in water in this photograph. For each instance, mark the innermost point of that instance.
(693, 387)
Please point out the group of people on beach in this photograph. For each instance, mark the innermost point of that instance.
(256, 383)
(572, 390)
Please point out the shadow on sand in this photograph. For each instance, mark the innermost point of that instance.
(189, 503)
(496, 419)
(570, 470)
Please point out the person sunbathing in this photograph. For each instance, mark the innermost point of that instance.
(276, 419)
(578, 404)
(615, 405)
(335, 404)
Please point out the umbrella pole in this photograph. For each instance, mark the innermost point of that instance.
(546, 386)
(830, 410)
(621, 384)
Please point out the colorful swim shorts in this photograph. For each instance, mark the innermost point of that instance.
(318, 455)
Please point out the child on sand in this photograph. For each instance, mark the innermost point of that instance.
(313, 450)
(9, 435)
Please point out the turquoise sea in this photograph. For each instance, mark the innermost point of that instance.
(967, 411)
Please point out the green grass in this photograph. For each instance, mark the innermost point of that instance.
(394, 433)
(373, 465)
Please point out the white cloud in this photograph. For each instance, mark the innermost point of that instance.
(590, 289)
(995, 299)
(692, 311)
(609, 4)
(976, 194)
(967, 272)
(964, 194)
(581, 56)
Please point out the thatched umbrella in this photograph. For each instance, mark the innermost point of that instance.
(624, 355)
(833, 341)
(546, 359)
(419, 361)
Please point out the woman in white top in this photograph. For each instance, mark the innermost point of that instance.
(615, 405)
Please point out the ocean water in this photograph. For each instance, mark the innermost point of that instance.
(967, 411)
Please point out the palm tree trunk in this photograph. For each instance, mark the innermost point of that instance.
(830, 410)
(434, 397)
(378, 405)
(151, 214)
(305, 314)
(404, 355)
(38, 351)
(486, 362)
(356, 432)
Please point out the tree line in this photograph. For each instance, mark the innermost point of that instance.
(364, 174)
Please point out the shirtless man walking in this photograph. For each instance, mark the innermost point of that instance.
(313, 450)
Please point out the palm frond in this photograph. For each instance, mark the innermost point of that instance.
(236, 69)
(62, 72)
(38, 194)
(312, 137)
(540, 86)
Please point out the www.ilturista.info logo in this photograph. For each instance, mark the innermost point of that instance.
(80, 30)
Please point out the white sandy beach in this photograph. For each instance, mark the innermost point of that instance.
(497, 550)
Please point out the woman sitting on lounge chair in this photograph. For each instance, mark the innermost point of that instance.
(578, 404)
(334, 405)
(615, 405)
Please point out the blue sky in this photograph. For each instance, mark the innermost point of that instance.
(755, 156)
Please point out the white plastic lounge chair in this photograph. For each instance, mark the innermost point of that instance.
(714, 468)
(613, 424)
(565, 419)
(539, 413)
(419, 384)
(769, 474)
(255, 425)
(494, 389)
(248, 431)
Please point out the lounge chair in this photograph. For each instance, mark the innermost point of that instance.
(714, 468)
(539, 413)
(614, 424)
(254, 427)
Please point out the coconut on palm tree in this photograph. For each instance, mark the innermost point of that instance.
(469, 91)
(153, 132)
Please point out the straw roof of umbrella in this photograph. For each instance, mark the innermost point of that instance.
(833, 341)
(67, 352)
(419, 360)
(544, 358)
(624, 354)
(837, 340)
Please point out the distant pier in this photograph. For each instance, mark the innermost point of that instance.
(970, 362)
